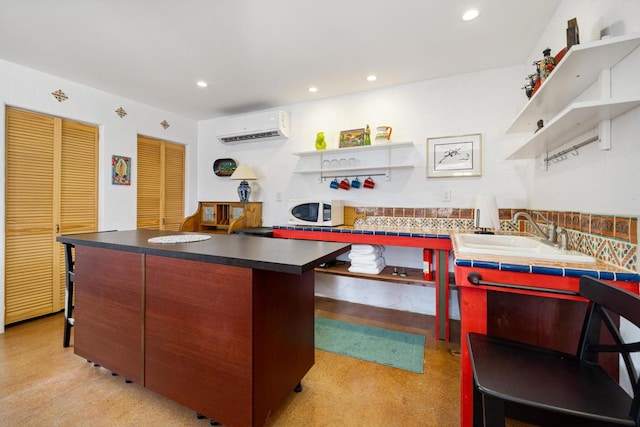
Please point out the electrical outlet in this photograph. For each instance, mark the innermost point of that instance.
(278, 196)
(446, 195)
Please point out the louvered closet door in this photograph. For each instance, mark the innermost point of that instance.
(51, 188)
(173, 186)
(160, 184)
(29, 217)
(149, 182)
(78, 212)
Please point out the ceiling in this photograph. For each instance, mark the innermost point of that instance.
(258, 54)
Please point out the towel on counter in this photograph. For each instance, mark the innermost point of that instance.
(366, 259)
(367, 249)
(363, 258)
(370, 267)
(367, 269)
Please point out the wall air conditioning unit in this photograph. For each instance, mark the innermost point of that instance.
(262, 126)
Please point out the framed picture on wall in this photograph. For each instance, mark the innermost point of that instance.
(454, 156)
(120, 170)
(351, 138)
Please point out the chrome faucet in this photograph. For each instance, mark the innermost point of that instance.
(550, 236)
(551, 228)
(563, 238)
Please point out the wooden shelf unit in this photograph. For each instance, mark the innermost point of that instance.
(223, 217)
(413, 277)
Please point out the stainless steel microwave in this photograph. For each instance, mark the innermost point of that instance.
(316, 212)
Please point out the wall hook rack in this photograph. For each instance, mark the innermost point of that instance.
(325, 177)
(562, 155)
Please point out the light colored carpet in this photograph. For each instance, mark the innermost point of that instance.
(386, 347)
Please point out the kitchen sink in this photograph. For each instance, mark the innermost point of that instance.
(516, 246)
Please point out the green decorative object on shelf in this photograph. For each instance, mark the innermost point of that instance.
(367, 136)
(321, 144)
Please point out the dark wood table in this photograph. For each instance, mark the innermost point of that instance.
(224, 326)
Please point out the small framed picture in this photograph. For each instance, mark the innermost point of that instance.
(454, 156)
(120, 170)
(351, 138)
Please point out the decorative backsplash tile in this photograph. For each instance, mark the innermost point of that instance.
(609, 238)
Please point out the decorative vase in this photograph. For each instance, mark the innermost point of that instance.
(244, 191)
(321, 144)
(367, 136)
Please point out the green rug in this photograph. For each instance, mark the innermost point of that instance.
(391, 348)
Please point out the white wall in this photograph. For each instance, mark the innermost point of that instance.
(484, 102)
(596, 181)
(31, 90)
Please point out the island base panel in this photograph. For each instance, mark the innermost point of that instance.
(108, 310)
(228, 342)
(285, 346)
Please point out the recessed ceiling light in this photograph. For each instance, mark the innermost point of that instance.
(372, 78)
(470, 15)
(202, 83)
(313, 89)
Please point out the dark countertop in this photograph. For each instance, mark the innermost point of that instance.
(281, 255)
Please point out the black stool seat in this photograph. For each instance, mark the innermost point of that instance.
(68, 297)
(550, 388)
(546, 380)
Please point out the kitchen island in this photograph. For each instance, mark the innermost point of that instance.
(224, 326)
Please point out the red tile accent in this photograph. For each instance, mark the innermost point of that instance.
(432, 212)
(633, 231)
(455, 213)
(419, 212)
(504, 214)
(410, 212)
(585, 222)
(563, 220)
(398, 212)
(575, 220)
(622, 228)
(466, 213)
(387, 211)
(608, 224)
(444, 212)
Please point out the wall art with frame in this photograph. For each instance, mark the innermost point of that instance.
(454, 156)
(120, 170)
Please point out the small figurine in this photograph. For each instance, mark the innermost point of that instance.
(321, 144)
(367, 136)
(547, 64)
(540, 125)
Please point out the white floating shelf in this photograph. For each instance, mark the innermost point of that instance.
(353, 170)
(355, 150)
(578, 70)
(575, 120)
